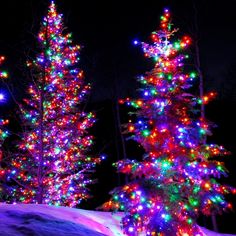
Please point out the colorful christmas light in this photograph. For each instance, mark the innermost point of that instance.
(54, 165)
(176, 179)
(3, 74)
(3, 132)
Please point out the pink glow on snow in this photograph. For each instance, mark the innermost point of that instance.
(81, 222)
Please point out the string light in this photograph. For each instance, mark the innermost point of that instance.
(3, 131)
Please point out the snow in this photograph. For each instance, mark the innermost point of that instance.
(43, 220)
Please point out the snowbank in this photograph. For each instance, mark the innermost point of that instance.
(43, 220)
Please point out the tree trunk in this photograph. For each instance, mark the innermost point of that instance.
(119, 135)
(41, 128)
(201, 90)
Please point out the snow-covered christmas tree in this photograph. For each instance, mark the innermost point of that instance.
(177, 176)
(54, 165)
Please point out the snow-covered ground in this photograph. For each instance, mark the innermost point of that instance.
(43, 220)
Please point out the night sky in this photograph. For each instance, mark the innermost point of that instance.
(106, 30)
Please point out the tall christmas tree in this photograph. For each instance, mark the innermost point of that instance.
(176, 178)
(54, 166)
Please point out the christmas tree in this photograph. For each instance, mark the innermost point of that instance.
(176, 179)
(54, 165)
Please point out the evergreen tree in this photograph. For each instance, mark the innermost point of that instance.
(177, 176)
(54, 165)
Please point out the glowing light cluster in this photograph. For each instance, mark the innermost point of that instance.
(3, 74)
(3, 133)
(176, 180)
(54, 165)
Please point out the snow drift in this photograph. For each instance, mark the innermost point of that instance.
(43, 220)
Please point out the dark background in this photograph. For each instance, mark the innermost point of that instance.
(106, 30)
